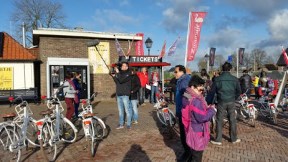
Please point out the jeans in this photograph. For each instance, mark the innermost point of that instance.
(123, 104)
(154, 90)
(141, 95)
(183, 136)
(196, 156)
(70, 107)
(134, 109)
(230, 108)
(76, 106)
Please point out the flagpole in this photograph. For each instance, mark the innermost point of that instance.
(185, 61)
(237, 57)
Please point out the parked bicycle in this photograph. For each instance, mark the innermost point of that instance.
(247, 110)
(164, 114)
(267, 108)
(20, 130)
(93, 126)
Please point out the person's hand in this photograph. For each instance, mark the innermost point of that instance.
(116, 69)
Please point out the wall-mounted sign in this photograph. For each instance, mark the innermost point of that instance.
(141, 59)
(6, 78)
(95, 61)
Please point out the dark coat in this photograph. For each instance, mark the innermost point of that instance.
(227, 88)
(245, 82)
(123, 83)
(135, 86)
(172, 84)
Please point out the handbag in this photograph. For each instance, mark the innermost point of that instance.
(196, 140)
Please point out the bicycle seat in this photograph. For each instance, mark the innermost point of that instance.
(11, 115)
(47, 112)
(88, 115)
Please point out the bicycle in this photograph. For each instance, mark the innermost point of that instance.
(94, 127)
(164, 114)
(17, 131)
(247, 110)
(267, 109)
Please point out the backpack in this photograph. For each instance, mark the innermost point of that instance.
(195, 140)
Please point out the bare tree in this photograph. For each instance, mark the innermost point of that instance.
(36, 14)
(259, 58)
(202, 64)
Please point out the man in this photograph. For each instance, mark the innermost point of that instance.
(182, 83)
(135, 86)
(245, 83)
(123, 90)
(143, 76)
(227, 88)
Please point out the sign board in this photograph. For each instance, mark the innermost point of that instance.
(95, 60)
(6, 78)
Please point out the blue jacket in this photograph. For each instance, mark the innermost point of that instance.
(182, 84)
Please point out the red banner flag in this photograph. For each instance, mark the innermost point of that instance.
(193, 36)
(285, 55)
(139, 50)
(162, 53)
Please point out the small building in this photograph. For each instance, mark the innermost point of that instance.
(19, 68)
(62, 51)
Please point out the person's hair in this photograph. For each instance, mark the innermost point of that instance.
(181, 68)
(204, 72)
(196, 81)
(245, 71)
(124, 62)
(75, 74)
(226, 66)
(69, 75)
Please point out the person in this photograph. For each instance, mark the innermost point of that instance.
(215, 74)
(135, 86)
(77, 83)
(154, 86)
(245, 83)
(255, 82)
(70, 94)
(172, 84)
(143, 76)
(204, 75)
(122, 80)
(227, 89)
(182, 83)
(199, 116)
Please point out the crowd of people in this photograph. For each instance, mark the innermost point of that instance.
(195, 97)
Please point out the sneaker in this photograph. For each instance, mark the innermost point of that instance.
(120, 127)
(237, 141)
(143, 104)
(135, 122)
(216, 143)
(129, 127)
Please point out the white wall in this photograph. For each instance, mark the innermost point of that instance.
(23, 75)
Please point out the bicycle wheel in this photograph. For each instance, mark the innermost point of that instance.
(99, 127)
(6, 139)
(92, 138)
(50, 151)
(264, 110)
(31, 134)
(68, 131)
(160, 116)
(172, 118)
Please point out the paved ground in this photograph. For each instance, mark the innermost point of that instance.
(149, 141)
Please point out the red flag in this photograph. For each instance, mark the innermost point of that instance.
(118, 47)
(139, 50)
(172, 49)
(163, 50)
(285, 55)
(193, 35)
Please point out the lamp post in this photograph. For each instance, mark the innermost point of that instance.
(148, 44)
(207, 62)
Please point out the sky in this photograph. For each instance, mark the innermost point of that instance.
(228, 25)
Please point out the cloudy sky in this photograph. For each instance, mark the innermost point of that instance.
(229, 24)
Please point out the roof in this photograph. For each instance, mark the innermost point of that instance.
(281, 61)
(14, 51)
(80, 33)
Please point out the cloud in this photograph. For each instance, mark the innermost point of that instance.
(278, 26)
(176, 17)
(228, 21)
(224, 38)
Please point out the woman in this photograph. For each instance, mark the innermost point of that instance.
(70, 94)
(198, 116)
(135, 86)
(77, 83)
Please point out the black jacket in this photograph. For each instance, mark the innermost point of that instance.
(227, 88)
(135, 86)
(245, 82)
(123, 83)
(172, 84)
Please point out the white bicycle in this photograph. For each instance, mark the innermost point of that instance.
(93, 126)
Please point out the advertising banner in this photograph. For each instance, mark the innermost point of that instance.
(212, 56)
(241, 56)
(139, 51)
(96, 63)
(193, 35)
(6, 78)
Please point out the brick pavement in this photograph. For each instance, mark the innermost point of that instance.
(149, 141)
